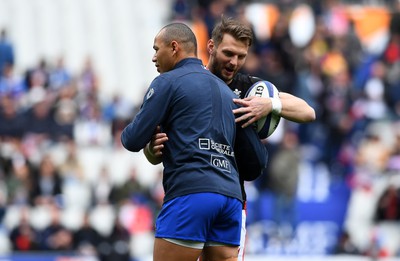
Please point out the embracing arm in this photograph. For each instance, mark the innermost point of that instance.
(293, 108)
(153, 149)
(296, 109)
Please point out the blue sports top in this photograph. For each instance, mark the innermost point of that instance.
(194, 108)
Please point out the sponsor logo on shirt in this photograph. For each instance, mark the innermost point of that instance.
(221, 162)
(209, 144)
(217, 160)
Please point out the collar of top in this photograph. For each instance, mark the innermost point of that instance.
(187, 61)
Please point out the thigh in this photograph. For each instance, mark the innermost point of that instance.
(220, 253)
(167, 251)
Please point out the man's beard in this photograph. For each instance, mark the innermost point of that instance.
(217, 69)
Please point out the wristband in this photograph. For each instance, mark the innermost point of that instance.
(276, 106)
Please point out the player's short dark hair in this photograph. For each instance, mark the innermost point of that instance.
(181, 33)
(237, 29)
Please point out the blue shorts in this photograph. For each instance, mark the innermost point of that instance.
(202, 217)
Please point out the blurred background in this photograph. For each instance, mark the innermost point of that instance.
(73, 74)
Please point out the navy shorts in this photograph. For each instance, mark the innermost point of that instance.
(202, 217)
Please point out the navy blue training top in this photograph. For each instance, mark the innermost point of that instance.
(194, 109)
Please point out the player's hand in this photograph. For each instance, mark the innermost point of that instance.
(157, 142)
(253, 108)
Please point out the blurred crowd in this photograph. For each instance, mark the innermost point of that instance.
(48, 114)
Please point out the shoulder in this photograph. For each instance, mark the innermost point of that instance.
(245, 79)
(241, 83)
(162, 79)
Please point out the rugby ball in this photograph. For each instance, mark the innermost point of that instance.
(266, 125)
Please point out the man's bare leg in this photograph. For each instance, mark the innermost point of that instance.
(167, 251)
(220, 253)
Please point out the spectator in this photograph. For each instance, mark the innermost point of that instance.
(391, 58)
(131, 189)
(59, 76)
(39, 119)
(71, 169)
(86, 239)
(11, 84)
(88, 79)
(24, 237)
(345, 245)
(283, 178)
(373, 153)
(103, 188)
(7, 55)
(116, 245)
(37, 76)
(46, 183)
(90, 129)
(18, 182)
(65, 114)
(388, 207)
(55, 237)
(11, 119)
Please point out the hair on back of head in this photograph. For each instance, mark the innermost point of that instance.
(235, 28)
(181, 33)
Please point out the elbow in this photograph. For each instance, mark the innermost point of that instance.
(311, 116)
(128, 144)
(131, 147)
(125, 145)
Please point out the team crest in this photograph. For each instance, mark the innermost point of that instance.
(237, 92)
(150, 93)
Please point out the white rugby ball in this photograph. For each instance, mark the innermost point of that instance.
(266, 125)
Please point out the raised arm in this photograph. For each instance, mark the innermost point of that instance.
(293, 108)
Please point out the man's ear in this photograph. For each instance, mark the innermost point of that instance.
(210, 46)
(175, 46)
